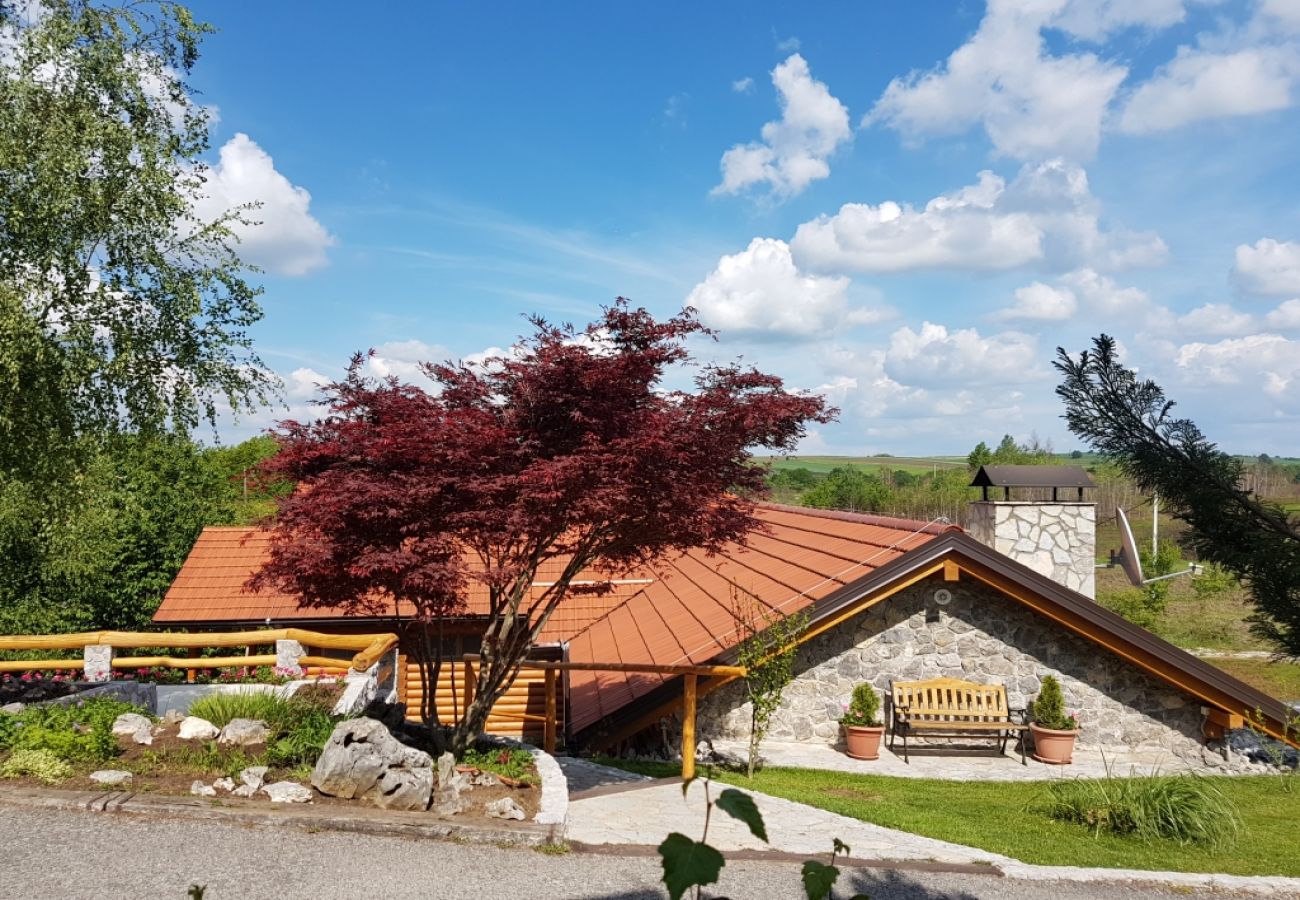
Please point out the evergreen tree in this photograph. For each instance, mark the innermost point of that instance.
(1130, 422)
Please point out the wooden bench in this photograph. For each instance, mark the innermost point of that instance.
(952, 708)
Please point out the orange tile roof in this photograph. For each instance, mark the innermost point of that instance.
(210, 588)
(682, 615)
(686, 615)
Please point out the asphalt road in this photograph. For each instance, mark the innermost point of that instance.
(59, 854)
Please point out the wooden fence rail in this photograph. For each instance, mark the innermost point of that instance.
(368, 648)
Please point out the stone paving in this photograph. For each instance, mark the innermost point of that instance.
(967, 764)
(644, 812)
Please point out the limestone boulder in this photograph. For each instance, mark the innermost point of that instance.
(243, 733)
(13, 709)
(363, 760)
(505, 808)
(287, 792)
(110, 776)
(192, 728)
(135, 726)
(199, 789)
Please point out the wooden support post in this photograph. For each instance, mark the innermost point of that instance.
(469, 687)
(548, 738)
(191, 674)
(688, 728)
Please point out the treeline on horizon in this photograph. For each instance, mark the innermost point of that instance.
(946, 492)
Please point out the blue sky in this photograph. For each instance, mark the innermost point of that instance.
(905, 206)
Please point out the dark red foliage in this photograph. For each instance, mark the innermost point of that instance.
(567, 450)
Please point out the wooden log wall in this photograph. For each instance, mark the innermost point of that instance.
(526, 696)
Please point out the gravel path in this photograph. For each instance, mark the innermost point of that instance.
(52, 855)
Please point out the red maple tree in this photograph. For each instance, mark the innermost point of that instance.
(567, 454)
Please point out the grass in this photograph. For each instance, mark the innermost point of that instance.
(512, 763)
(1277, 679)
(1013, 818)
(822, 464)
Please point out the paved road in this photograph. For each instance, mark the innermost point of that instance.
(57, 854)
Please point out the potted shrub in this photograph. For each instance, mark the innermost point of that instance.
(861, 721)
(1053, 728)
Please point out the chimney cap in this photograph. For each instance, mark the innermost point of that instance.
(1033, 477)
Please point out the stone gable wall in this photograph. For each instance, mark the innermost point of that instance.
(979, 636)
(1058, 540)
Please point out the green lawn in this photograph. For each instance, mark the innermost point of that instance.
(822, 464)
(1008, 818)
(1277, 679)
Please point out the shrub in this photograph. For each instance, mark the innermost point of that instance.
(1185, 808)
(507, 761)
(220, 709)
(42, 764)
(81, 731)
(1049, 707)
(1141, 606)
(863, 709)
(299, 726)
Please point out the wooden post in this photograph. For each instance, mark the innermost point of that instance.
(548, 737)
(688, 728)
(469, 686)
(191, 674)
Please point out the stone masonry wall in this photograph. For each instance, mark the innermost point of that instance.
(1058, 540)
(978, 636)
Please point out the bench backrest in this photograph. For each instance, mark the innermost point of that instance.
(950, 698)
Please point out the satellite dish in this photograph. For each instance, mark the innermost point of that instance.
(1129, 558)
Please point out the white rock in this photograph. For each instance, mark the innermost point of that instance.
(224, 784)
(287, 792)
(132, 725)
(200, 789)
(195, 729)
(243, 732)
(363, 759)
(244, 790)
(110, 776)
(173, 717)
(13, 709)
(505, 808)
(253, 776)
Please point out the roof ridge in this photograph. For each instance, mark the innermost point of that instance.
(934, 526)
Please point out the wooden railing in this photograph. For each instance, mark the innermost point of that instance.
(369, 648)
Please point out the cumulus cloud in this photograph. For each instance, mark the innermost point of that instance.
(760, 291)
(1095, 20)
(1047, 215)
(936, 357)
(1199, 85)
(1038, 302)
(1270, 267)
(743, 85)
(1216, 320)
(1267, 362)
(794, 150)
(1286, 317)
(1033, 105)
(1099, 296)
(282, 237)
(402, 359)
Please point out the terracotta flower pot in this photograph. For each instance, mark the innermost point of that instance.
(863, 741)
(1052, 746)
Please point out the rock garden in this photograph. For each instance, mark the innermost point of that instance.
(258, 748)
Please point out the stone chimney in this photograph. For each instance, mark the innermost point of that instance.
(1053, 536)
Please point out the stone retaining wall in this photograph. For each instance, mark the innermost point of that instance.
(980, 636)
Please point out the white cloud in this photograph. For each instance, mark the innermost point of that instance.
(936, 357)
(402, 359)
(1094, 20)
(303, 385)
(1269, 267)
(743, 85)
(1038, 302)
(1032, 105)
(761, 291)
(1286, 317)
(286, 240)
(1046, 215)
(1267, 362)
(1284, 14)
(1199, 85)
(1100, 296)
(1216, 320)
(794, 150)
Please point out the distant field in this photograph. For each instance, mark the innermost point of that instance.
(823, 464)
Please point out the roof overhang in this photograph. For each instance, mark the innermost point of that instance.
(956, 555)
